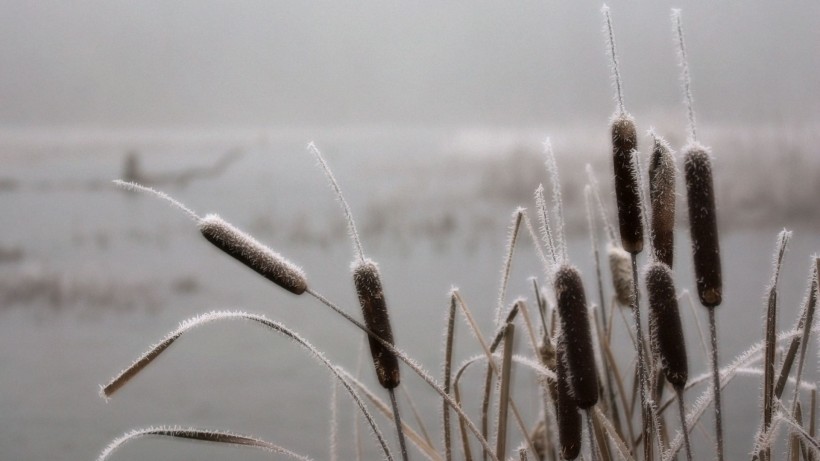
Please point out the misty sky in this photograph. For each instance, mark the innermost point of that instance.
(297, 62)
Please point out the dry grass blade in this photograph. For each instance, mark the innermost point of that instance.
(504, 393)
(623, 450)
(422, 373)
(612, 367)
(809, 320)
(201, 436)
(418, 440)
(515, 226)
(769, 335)
(124, 376)
(448, 363)
(492, 368)
(727, 374)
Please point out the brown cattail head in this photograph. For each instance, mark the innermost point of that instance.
(253, 254)
(662, 195)
(624, 144)
(374, 310)
(620, 267)
(576, 336)
(566, 410)
(665, 326)
(703, 225)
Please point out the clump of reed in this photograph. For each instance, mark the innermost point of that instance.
(570, 336)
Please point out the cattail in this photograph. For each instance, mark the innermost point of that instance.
(620, 266)
(577, 338)
(662, 197)
(624, 144)
(566, 411)
(253, 254)
(374, 310)
(703, 225)
(665, 324)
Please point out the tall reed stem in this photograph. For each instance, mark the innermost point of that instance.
(685, 431)
(397, 420)
(643, 384)
(716, 385)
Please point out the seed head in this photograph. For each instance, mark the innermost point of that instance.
(576, 336)
(374, 310)
(566, 410)
(620, 266)
(662, 197)
(665, 324)
(703, 225)
(253, 254)
(624, 144)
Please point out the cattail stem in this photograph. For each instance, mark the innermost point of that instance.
(557, 201)
(593, 448)
(643, 381)
(397, 420)
(351, 225)
(616, 73)
(682, 411)
(716, 385)
(448, 360)
(685, 77)
(504, 392)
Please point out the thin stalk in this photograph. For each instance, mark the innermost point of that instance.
(613, 365)
(716, 384)
(682, 411)
(593, 236)
(593, 448)
(695, 316)
(423, 445)
(417, 416)
(448, 363)
(397, 420)
(643, 384)
(504, 393)
(334, 422)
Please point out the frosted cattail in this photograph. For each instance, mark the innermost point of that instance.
(703, 225)
(253, 254)
(566, 411)
(576, 336)
(665, 324)
(624, 142)
(662, 197)
(374, 310)
(620, 266)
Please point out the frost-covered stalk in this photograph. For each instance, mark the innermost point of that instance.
(703, 224)
(367, 281)
(627, 194)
